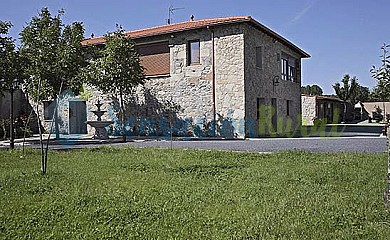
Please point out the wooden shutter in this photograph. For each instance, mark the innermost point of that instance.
(155, 58)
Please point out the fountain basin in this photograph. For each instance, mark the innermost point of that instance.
(100, 128)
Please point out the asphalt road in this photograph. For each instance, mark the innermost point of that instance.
(368, 144)
(341, 144)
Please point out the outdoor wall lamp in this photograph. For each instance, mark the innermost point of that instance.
(275, 80)
(11, 89)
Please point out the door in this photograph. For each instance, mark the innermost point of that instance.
(261, 116)
(77, 117)
(274, 118)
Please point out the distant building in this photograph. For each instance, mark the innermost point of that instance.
(376, 111)
(321, 107)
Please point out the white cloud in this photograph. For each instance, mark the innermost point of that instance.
(303, 12)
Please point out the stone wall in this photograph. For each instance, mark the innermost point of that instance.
(229, 77)
(308, 110)
(259, 81)
(189, 87)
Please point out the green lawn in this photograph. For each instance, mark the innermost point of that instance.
(120, 193)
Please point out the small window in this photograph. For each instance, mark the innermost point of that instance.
(48, 110)
(288, 107)
(284, 67)
(194, 52)
(292, 73)
(259, 57)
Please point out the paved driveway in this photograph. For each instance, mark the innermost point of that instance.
(312, 144)
(344, 144)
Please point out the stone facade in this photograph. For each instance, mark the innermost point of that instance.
(186, 94)
(190, 86)
(260, 82)
(309, 111)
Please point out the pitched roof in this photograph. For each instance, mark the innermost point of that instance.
(322, 97)
(196, 24)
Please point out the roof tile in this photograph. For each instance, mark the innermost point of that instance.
(183, 26)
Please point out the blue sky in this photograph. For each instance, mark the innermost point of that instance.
(342, 36)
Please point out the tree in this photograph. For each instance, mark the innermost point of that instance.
(11, 61)
(381, 91)
(118, 70)
(346, 91)
(361, 94)
(55, 57)
(312, 90)
(11, 70)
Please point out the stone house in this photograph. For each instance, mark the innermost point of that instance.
(219, 70)
(321, 107)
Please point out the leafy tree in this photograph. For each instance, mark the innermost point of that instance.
(11, 61)
(346, 91)
(55, 57)
(381, 91)
(12, 64)
(312, 90)
(118, 70)
(361, 94)
(55, 53)
(382, 75)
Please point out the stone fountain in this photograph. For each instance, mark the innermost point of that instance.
(99, 125)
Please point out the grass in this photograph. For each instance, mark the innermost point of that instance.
(121, 193)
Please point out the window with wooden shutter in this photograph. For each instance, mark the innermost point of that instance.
(155, 58)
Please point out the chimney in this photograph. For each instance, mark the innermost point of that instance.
(92, 35)
(192, 17)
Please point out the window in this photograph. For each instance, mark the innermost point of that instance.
(48, 110)
(284, 67)
(292, 73)
(194, 52)
(155, 58)
(259, 57)
(288, 68)
(288, 107)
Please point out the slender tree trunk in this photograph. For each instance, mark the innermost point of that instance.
(57, 128)
(43, 166)
(387, 190)
(55, 116)
(122, 116)
(25, 128)
(345, 112)
(384, 111)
